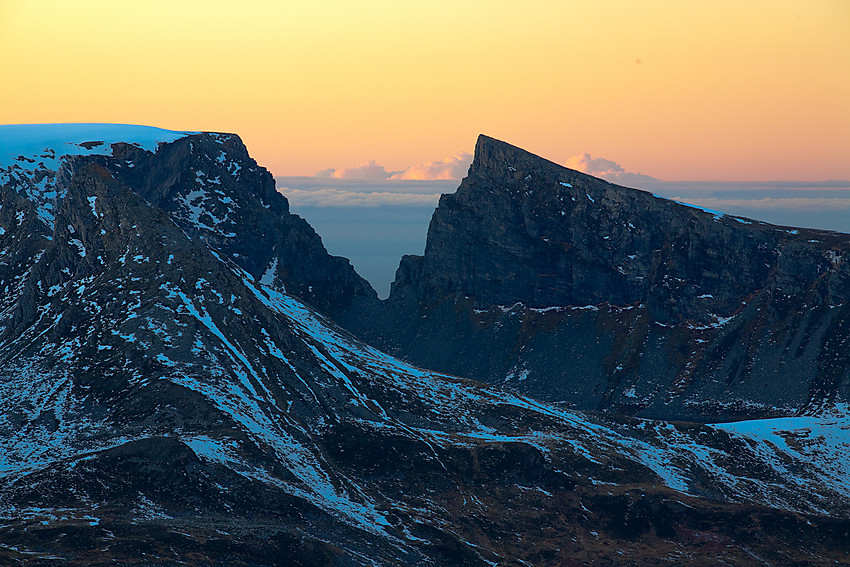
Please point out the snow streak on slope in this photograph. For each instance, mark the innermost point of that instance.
(43, 423)
(250, 404)
(808, 475)
(812, 451)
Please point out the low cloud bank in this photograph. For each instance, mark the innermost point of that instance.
(340, 197)
(341, 193)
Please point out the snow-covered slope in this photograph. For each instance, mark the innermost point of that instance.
(49, 142)
(31, 154)
(161, 400)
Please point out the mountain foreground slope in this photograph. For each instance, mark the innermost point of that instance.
(168, 396)
(568, 288)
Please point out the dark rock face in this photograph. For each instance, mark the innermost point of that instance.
(572, 289)
(218, 193)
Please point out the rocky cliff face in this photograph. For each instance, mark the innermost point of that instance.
(216, 192)
(569, 288)
(161, 404)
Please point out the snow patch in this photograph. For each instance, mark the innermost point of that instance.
(270, 274)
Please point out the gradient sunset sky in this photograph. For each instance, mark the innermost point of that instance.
(727, 90)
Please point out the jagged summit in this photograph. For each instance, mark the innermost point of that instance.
(521, 228)
(494, 156)
(575, 289)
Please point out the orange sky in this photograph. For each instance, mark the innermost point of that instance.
(678, 90)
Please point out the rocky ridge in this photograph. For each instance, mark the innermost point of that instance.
(571, 289)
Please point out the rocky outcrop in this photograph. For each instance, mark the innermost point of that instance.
(218, 193)
(569, 288)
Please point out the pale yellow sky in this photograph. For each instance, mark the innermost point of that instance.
(677, 90)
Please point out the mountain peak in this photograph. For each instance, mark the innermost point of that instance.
(494, 156)
(645, 299)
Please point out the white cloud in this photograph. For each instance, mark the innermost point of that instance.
(366, 170)
(326, 173)
(593, 166)
(451, 167)
(606, 169)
